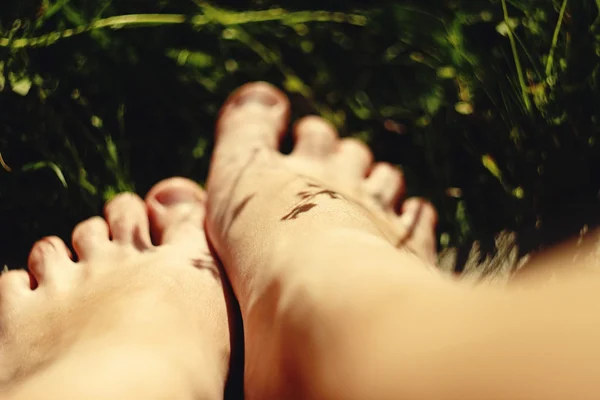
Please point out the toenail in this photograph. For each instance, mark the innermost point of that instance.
(173, 197)
(262, 98)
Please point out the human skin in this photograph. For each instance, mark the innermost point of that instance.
(133, 319)
(337, 305)
(338, 293)
(129, 320)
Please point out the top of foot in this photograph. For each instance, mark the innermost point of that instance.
(248, 170)
(124, 293)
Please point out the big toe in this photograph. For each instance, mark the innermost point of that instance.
(252, 120)
(176, 208)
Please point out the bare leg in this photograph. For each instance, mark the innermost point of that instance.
(129, 320)
(335, 306)
(306, 230)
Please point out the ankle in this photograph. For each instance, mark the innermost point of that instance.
(315, 274)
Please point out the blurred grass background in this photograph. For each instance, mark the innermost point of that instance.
(491, 107)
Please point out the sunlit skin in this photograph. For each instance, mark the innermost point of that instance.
(338, 291)
(348, 312)
(130, 319)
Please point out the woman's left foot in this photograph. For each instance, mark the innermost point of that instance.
(129, 319)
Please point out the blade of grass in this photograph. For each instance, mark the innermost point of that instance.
(597, 21)
(532, 61)
(56, 7)
(561, 16)
(46, 164)
(513, 45)
(223, 17)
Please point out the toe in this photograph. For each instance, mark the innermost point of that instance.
(128, 220)
(15, 283)
(176, 208)
(315, 137)
(353, 158)
(248, 130)
(254, 115)
(419, 219)
(90, 237)
(47, 260)
(385, 185)
(16, 287)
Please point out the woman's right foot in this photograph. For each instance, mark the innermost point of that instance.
(247, 163)
(262, 205)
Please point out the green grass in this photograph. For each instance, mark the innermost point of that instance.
(492, 108)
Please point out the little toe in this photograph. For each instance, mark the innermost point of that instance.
(90, 237)
(176, 207)
(15, 284)
(16, 287)
(315, 137)
(47, 260)
(419, 219)
(128, 221)
(353, 159)
(385, 185)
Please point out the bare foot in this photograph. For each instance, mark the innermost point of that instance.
(247, 164)
(259, 200)
(129, 319)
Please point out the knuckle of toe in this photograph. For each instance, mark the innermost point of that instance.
(357, 146)
(386, 171)
(129, 197)
(391, 170)
(396, 180)
(34, 260)
(42, 247)
(313, 124)
(12, 279)
(54, 242)
(425, 208)
(89, 227)
(354, 143)
(36, 257)
(122, 201)
(121, 225)
(430, 211)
